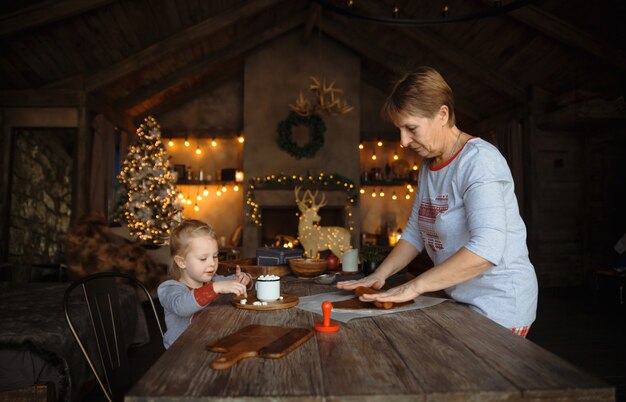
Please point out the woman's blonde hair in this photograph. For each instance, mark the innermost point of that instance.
(420, 93)
(181, 237)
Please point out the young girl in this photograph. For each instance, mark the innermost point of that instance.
(194, 262)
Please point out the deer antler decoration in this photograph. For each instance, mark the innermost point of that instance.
(326, 100)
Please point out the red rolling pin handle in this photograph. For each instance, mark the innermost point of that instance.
(326, 308)
(326, 325)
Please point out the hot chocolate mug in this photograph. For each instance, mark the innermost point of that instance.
(267, 289)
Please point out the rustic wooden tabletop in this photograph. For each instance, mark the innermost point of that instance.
(445, 352)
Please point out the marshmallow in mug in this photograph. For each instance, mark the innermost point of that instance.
(268, 278)
(268, 288)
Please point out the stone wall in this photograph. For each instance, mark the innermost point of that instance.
(274, 75)
(41, 196)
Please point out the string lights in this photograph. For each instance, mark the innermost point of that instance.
(152, 205)
(321, 181)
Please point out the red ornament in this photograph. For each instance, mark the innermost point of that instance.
(333, 262)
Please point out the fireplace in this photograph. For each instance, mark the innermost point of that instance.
(283, 222)
(278, 217)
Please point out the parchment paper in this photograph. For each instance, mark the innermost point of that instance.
(314, 305)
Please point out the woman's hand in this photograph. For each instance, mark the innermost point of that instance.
(398, 294)
(234, 287)
(243, 277)
(372, 281)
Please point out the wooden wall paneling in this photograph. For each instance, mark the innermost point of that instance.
(107, 34)
(11, 77)
(126, 25)
(197, 66)
(154, 52)
(70, 49)
(570, 35)
(368, 48)
(45, 12)
(95, 55)
(5, 187)
(605, 175)
(555, 199)
(170, 9)
(58, 62)
(161, 24)
(23, 57)
(458, 57)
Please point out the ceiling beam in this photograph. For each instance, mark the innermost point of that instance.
(156, 51)
(44, 13)
(366, 47)
(313, 16)
(456, 56)
(591, 111)
(117, 117)
(568, 34)
(198, 66)
(41, 98)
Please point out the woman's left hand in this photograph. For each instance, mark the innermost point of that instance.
(398, 294)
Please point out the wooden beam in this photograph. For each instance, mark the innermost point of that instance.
(566, 33)
(313, 16)
(366, 47)
(455, 55)
(82, 165)
(45, 12)
(40, 98)
(187, 95)
(198, 66)
(155, 52)
(592, 111)
(117, 117)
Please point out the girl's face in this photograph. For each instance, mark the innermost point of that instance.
(200, 263)
(422, 134)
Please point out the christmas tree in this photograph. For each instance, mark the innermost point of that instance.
(151, 207)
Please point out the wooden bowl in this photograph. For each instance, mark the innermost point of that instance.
(308, 267)
(249, 266)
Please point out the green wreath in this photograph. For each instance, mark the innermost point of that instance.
(316, 126)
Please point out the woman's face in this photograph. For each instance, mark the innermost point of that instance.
(422, 134)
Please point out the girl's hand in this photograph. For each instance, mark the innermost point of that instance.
(242, 277)
(234, 287)
(398, 294)
(371, 281)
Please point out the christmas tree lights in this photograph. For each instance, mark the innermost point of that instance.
(152, 206)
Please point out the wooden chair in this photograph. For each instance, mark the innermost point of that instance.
(101, 296)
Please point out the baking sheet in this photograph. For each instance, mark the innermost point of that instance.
(314, 305)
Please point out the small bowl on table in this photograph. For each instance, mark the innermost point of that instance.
(308, 267)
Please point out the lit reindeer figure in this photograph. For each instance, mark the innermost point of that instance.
(315, 238)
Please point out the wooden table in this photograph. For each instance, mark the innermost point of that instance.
(442, 353)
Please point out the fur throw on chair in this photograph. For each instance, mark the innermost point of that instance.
(91, 247)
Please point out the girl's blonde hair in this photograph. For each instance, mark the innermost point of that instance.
(181, 237)
(421, 93)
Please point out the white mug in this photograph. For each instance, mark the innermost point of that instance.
(350, 260)
(267, 289)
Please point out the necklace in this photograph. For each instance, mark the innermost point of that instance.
(458, 137)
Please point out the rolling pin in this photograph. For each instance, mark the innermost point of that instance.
(362, 290)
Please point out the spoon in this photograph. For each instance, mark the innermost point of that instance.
(323, 279)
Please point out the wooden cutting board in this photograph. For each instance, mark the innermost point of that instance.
(263, 341)
(356, 304)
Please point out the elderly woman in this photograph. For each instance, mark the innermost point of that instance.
(465, 214)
